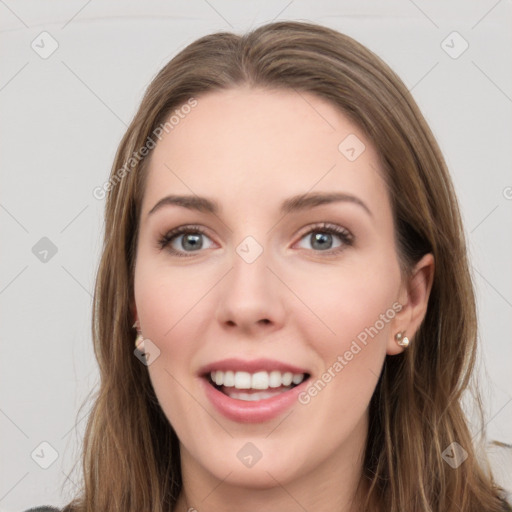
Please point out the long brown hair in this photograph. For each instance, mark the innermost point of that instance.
(131, 453)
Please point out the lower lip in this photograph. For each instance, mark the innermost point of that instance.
(259, 411)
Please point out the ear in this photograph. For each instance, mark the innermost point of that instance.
(134, 315)
(413, 297)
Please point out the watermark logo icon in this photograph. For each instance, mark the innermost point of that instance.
(249, 249)
(351, 147)
(44, 45)
(249, 454)
(454, 455)
(147, 352)
(454, 45)
(44, 455)
(44, 250)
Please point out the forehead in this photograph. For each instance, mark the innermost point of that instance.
(247, 145)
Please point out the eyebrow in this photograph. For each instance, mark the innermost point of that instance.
(292, 204)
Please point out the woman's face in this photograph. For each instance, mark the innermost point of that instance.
(268, 292)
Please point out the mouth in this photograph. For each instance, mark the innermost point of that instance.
(253, 387)
(252, 391)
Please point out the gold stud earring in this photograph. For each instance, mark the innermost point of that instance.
(139, 340)
(402, 340)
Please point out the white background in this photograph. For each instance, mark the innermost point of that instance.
(61, 121)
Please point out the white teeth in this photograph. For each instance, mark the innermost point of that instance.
(287, 378)
(252, 397)
(229, 378)
(275, 379)
(297, 378)
(242, 380)
(259, 380)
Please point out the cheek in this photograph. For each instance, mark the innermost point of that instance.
(162, 299)
(358, 308)
(173, 311)
(165, 297)
(349, 322)
(346, 300)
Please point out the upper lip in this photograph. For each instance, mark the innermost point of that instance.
(252, 366)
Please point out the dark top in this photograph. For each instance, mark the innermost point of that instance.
(44, 508)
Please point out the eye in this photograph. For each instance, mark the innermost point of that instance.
(183, 240)
(322, 237)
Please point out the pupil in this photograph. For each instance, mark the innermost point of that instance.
(322, 237)
(196, 242)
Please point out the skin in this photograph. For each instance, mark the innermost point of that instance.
(250, 149)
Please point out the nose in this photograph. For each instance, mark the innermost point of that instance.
(251, 297)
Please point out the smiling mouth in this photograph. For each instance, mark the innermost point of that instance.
(252, 387)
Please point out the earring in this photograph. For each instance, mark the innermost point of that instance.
(402, 340)
(139, 340)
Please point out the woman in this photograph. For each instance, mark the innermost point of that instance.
(269, 372)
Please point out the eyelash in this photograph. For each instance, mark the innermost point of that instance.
(323, 227)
